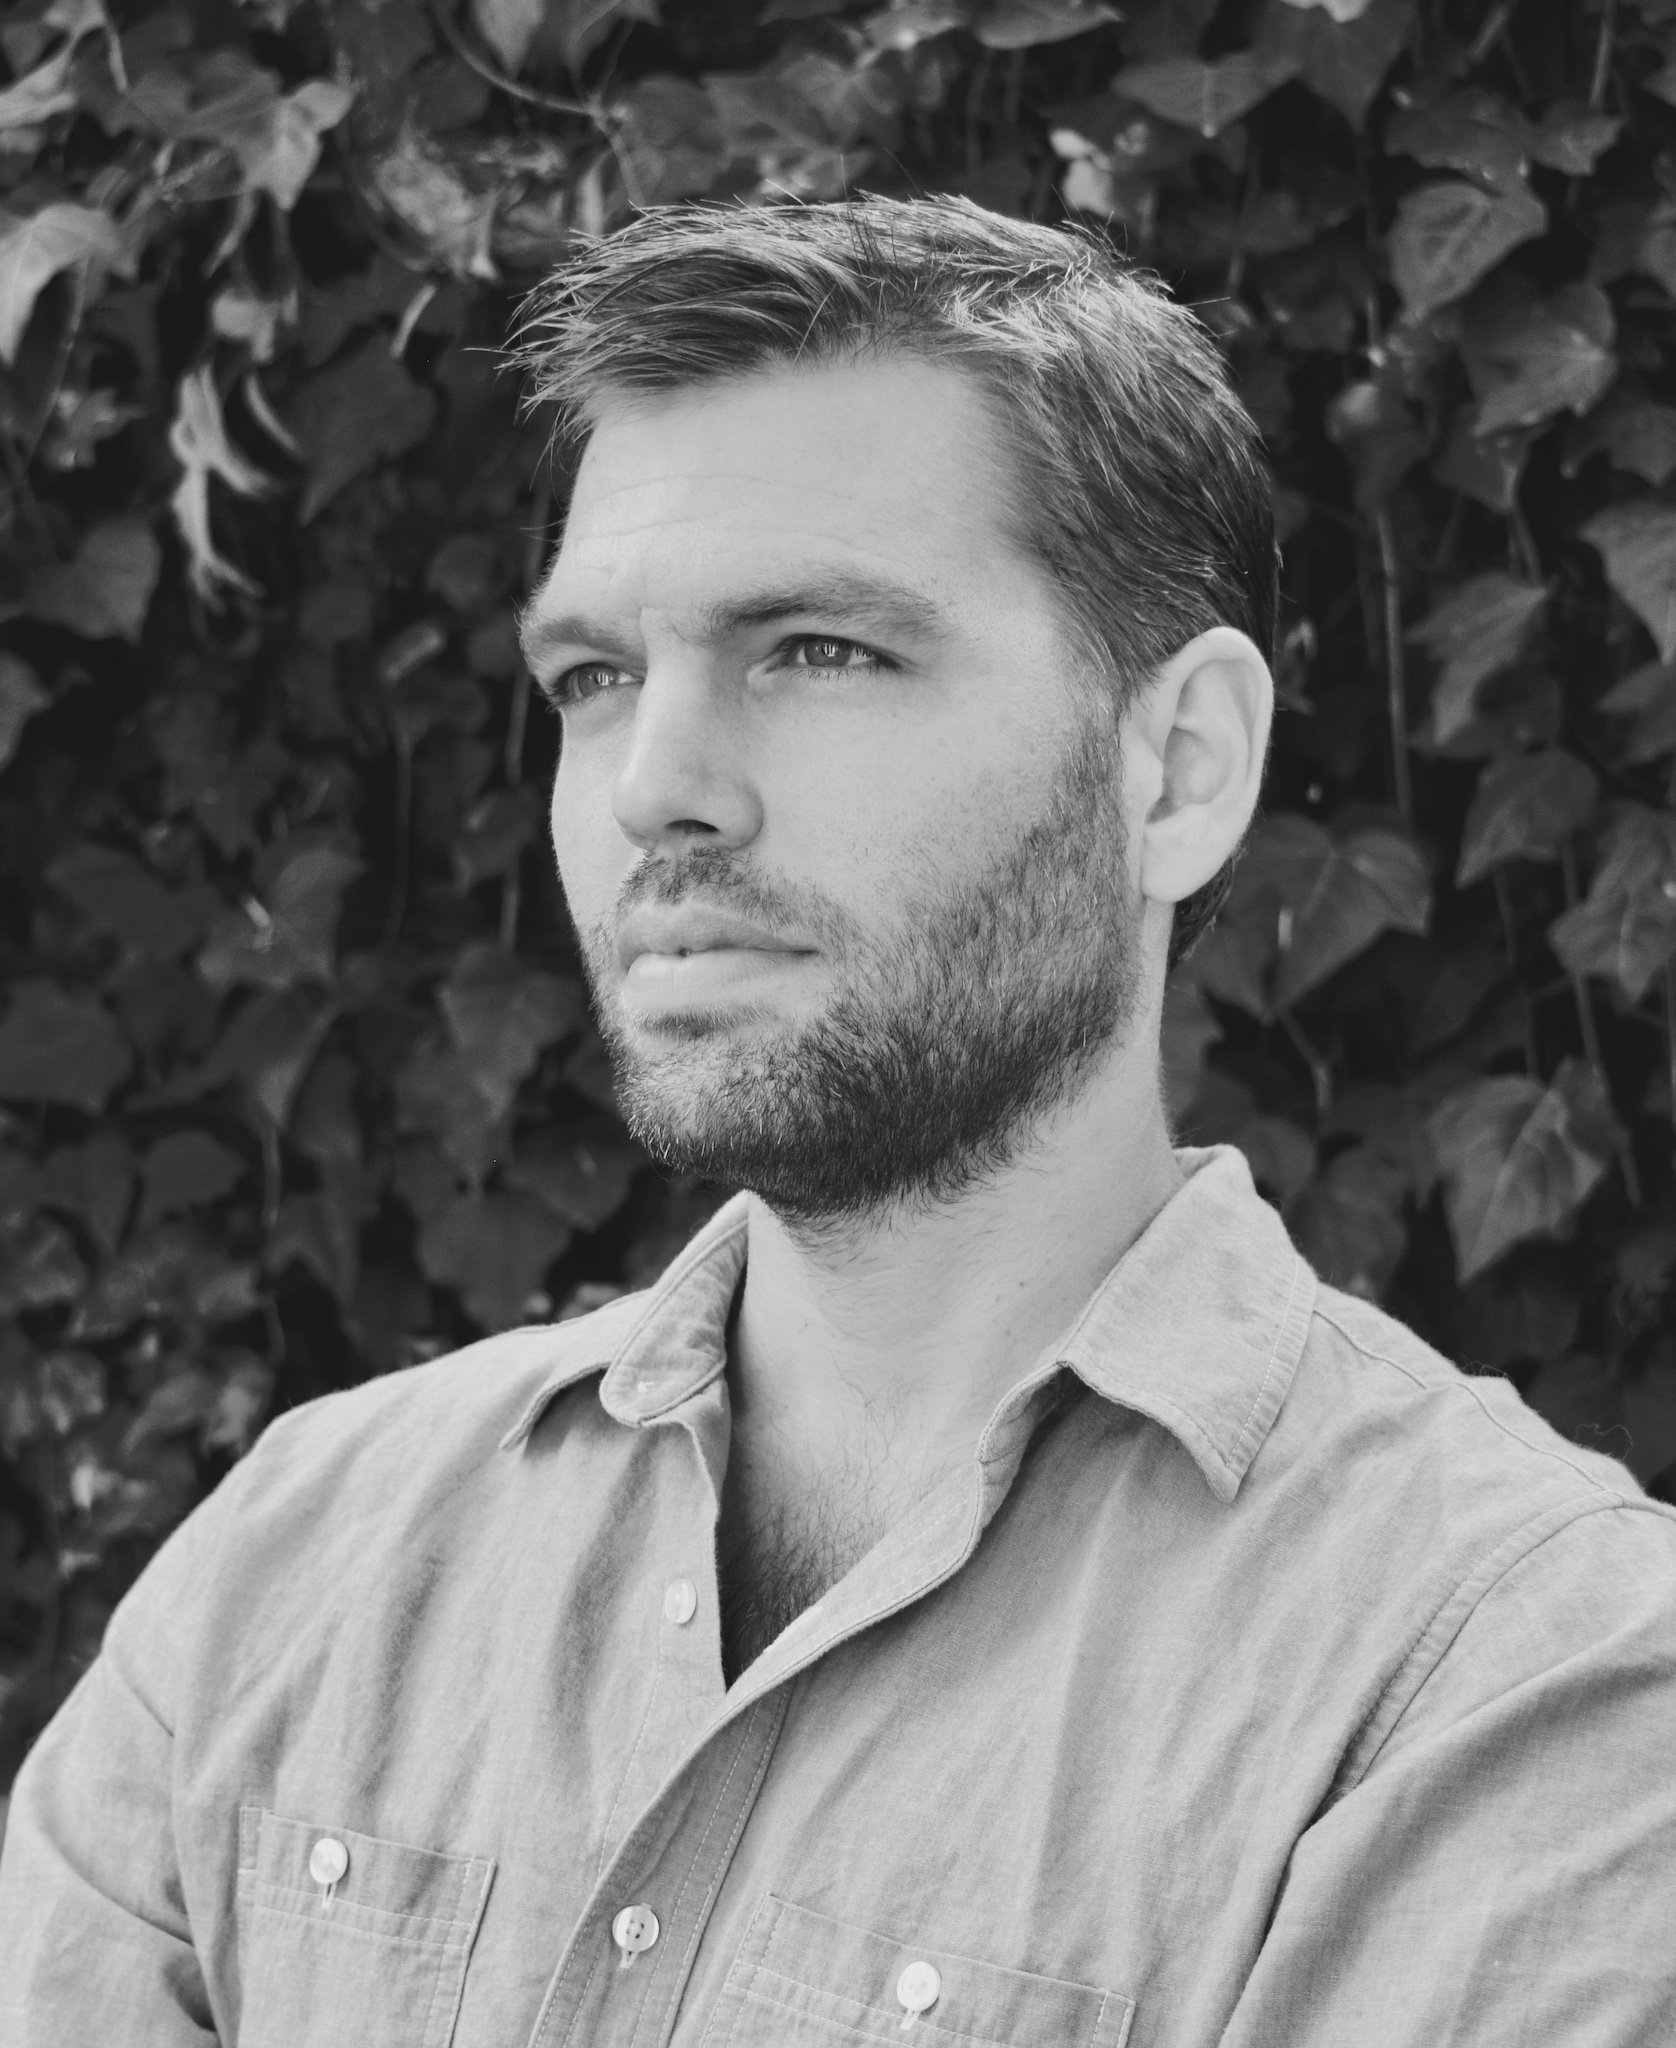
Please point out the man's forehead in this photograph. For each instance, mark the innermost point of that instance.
(897, 439)
(866, 490)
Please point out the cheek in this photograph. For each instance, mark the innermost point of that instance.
(591, 852)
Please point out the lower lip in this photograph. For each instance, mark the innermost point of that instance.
(680, 980)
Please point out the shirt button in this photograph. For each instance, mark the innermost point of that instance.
(327, 1860)
(918, 1988)
(634, 1930)
(680, 1601)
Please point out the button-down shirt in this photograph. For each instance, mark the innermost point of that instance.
(1262, 1681)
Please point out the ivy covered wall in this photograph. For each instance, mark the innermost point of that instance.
(297, 1082)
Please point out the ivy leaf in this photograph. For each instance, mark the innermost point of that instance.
(1572, 138)
(1022, 24)
(582, 1171)
(1304, 902)
(360, 412)
(1525, 808)
(503, 1015)
(21, 696)
(34, 250)
(1528, 360)
(1368, 881)
(105, 592)
(1625, 928)
(1207, 97)
(671, 138)
(1471, 131)
(509, 28)
(117, 898)
(1487, 469)
(290, 939)
(1372, 422)
(1633, 431)
(1637, 542)
(1648, 696)
(1348, 1221)
(1342, 49)
(95, 1182)
(39, 1271)
(1517, 1158)
(56, 1047)
(269, 1047)
(494, 1251)
(494, 833)
(1449, 234)
(905, 24)
(427, 191)
(185, 1170)
(1476, 630)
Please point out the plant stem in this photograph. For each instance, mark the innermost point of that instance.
(1396, 682)
(1490, 34)
(1510, 945)
(1670, 1030)
(1603, 56)
(397, 912)
(1320, 1072)
(1589, 1029)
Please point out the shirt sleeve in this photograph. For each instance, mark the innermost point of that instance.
(1502, 1873)
(95, 1942)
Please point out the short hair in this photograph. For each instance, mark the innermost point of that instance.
(1142, 487)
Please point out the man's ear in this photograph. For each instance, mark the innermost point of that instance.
(1198, 735)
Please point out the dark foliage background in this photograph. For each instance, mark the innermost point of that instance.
(296, 1077)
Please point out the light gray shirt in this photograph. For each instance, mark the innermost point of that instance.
(1263, 1681)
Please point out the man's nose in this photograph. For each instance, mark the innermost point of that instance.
(686, 777)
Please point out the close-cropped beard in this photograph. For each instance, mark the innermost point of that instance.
(951, 1037)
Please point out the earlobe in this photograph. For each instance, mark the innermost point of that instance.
(1203, 727)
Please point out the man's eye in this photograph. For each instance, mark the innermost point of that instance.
(587, 679)
(817, 651)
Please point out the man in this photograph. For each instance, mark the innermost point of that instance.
(987, 1590)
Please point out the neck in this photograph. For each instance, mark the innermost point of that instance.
(883, 1352)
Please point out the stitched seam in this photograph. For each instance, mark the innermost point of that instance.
(729, 1984)
(876, 2016)
(582, 1999)
(350, 1932)
(697, 1858)
(436, 1981)
(1599, 1508)
(1464, 1386)
(739, 1826)
(1518, 1556)
(1280, 1328)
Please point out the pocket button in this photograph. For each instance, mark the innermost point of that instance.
(918, 1988)
(327, 1860)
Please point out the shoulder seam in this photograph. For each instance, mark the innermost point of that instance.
(1521, 1551)
(1463, 1385)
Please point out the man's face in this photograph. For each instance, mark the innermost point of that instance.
(841, 835)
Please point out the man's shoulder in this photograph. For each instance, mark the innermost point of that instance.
(1404, 1418)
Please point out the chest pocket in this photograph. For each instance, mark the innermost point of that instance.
(374, 1957)
(801, 1980)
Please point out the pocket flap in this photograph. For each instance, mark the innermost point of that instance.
(420, 1895)
(843, 1981)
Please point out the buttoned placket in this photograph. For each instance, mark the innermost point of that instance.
(624, 1972)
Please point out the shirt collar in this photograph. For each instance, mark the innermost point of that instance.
(1199, 1325)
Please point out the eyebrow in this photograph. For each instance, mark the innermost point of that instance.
(871, 602)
